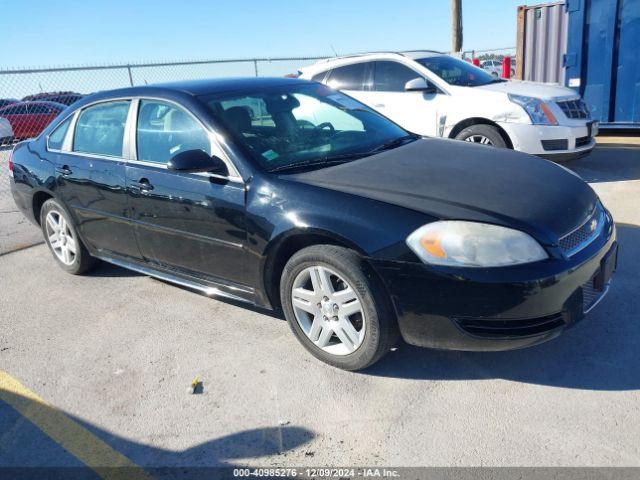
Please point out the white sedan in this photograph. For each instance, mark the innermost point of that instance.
(434, 94)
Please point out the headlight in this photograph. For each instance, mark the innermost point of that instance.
(537, 110)
(471, 244)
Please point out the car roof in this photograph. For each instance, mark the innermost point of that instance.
(47, 103)
(326, 63)
(197, 87)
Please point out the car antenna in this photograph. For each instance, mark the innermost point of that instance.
(334, 50)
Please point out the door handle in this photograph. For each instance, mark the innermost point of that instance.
(64, 170)
(143, 185)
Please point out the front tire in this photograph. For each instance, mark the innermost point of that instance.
(482, 134)
(61, 237)
(336, 307)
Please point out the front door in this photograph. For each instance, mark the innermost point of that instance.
(418, 112)
(190, 222)
(90, 170)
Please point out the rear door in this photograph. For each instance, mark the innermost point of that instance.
(353, 79)
(190, 222)
(90, 170)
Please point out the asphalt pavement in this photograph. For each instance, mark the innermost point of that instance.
(112, 354)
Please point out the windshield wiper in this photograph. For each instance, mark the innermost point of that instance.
(329, 160)
(396, 142)
(341, 158)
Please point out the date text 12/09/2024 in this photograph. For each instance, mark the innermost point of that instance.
(317, 472)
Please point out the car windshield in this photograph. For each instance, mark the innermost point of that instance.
(292, 127)
(457, 72)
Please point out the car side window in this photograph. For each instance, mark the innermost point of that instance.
(56, 138)
(164, 130)
(17, 110)
(392, 76)
(349, 77)
(319, 77)
(37, 109)
(100, 129)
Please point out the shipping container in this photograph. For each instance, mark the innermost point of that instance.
(602, 61)
(542, 42)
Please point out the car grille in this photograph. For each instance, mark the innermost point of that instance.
(559, 144)
(574, 109)
(582, 236)
(582, 141)
(511, 328)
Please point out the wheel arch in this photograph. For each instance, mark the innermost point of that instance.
(282, 248)
(467, 122)
(37, 201)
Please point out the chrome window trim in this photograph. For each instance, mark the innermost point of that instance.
(124, 134)
(215, 147)
(129, 140)
(130, 129)
(163, 166)
(67, 135)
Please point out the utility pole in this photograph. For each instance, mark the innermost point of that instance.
(456, 25)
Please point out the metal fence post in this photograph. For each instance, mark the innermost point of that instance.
(255, 66)
(130, 76)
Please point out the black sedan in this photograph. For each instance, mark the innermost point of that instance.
(286, 194)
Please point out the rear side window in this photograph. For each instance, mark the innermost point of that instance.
(39, 109)
(56, 139)
(349, 77)
(392, 76)
(17, 110)
(100, 129)
(164, 130)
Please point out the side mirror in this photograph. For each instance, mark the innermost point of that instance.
(419, 85)
(197, 161)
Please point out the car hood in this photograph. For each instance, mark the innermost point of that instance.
(545, 91)
(449, 179)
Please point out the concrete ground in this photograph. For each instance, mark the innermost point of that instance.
(15, 231)
(116, 351)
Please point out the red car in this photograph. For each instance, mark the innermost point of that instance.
(28, 119)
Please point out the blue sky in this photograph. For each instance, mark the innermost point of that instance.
(54, 32)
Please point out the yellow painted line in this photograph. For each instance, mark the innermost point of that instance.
(618, 140)
(77, 440)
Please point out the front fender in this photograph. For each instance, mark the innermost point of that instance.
(279, 209)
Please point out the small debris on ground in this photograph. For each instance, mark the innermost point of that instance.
(196, 387)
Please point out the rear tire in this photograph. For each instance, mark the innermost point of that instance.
(482, 134)
(328, 280)
(62, 238)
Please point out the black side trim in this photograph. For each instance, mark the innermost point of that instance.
(210, 288)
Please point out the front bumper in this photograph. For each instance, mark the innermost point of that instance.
(497, 308)
(529, 139)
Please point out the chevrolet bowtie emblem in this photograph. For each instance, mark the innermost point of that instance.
(592, 225)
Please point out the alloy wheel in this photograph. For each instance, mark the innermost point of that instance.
(61, 238)
(328, 310)
(478, 139)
